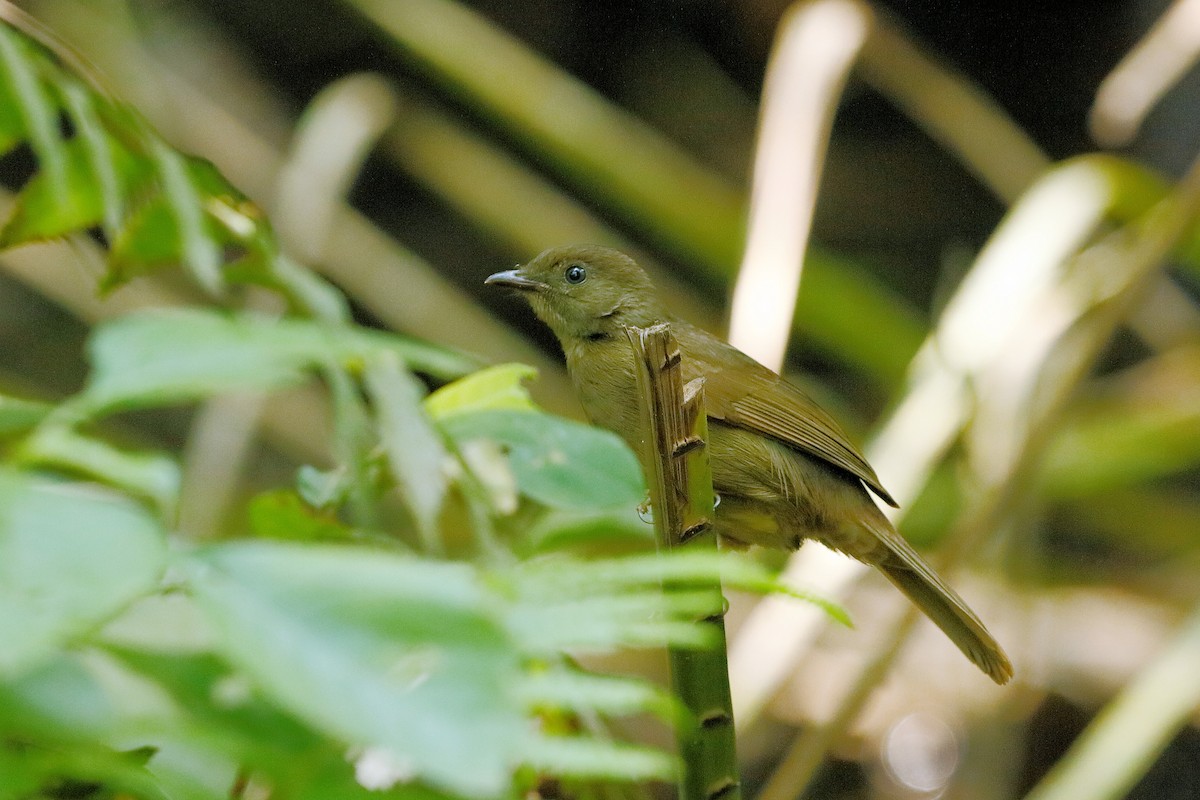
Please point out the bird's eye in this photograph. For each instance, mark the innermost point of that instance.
(575, 274)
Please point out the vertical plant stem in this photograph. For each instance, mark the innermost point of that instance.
(676, 462)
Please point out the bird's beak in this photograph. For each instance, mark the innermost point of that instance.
(513, 279)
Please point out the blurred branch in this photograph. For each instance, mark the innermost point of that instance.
(814, 48)
(951, 108)
(1125, 738)
(1145, 74)
(1136, 426)
(1019, 265)
(1092, 300)
(480, 181)
(334, 136)
(636, 171)
(608, 150)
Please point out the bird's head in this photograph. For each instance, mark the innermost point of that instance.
(585, 291)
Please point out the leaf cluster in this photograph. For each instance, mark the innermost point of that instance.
(398, 618)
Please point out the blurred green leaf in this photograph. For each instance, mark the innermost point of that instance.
(558, 577)
(322, 489)
(200, 252)
(413, 446)
(282, 514)
(566, 688)
(150, 239)
(89, 718)
(58, 700)
(564, 528)
(32, 770)
(163, 357)
(156, 205)
(43, 211)
(593, 758)
(18, 415)
(169, 622)
(557, 462)
(420, 667)
(12, 127)
(218, 218)
(153, 476)
(70, 557)
(21, 64)
(1152, 431)
(491, 389)
(222, 707)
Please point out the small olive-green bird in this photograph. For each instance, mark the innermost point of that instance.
(782, 467)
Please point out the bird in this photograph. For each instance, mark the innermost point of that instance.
(782, 467)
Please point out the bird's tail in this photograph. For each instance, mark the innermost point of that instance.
(911, 575)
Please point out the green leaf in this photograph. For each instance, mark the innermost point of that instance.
(42, 212)
(165, 229)
(70, 557)
(322, 489)
(169, 622)
(200, 250)
(373, 649)
(563, 603)
(57, 700)
(12, 128)
(17, 415)
(282, 514)
(32, 770)
(555, 576)
(414, 447)
(559, 529)
(73, 711)
(20, 63)
(581, 691)
(164, 357)
(222, 708)
(153, 476)
(547, 624)
(592, 758)
(491, 389)
(114, 179)
(557, 462)
(150, 239)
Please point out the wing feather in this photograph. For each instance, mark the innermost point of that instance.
(745, 394)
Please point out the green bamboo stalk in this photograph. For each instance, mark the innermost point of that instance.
(676, 462)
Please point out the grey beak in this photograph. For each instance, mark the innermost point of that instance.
(513, 279)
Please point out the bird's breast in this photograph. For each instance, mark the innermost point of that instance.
(604, 378)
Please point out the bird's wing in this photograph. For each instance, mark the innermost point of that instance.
(748, 395)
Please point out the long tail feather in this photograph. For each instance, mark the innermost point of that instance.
(911, 575)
